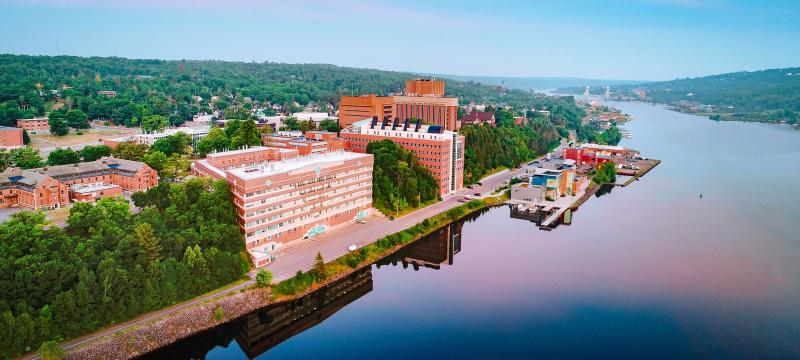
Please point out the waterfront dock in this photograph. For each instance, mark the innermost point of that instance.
(642, 167)
(546, 214)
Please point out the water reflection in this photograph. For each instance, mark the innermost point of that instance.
(649, 272)
(604, 190)
(260, 331)
(434, 250)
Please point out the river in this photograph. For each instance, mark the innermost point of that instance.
(647, 271)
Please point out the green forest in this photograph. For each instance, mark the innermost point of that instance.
(178, 89)
(399, 182)
(108, 265)
(769, 95)
(508, 145)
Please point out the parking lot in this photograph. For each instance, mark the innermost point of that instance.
(6, 213)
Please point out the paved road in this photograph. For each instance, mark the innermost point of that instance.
(301, 256)
(335, 242)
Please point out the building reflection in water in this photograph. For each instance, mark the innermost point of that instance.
(433, 251)
(260, 331)
(263, 330)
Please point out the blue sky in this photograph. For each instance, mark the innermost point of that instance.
(608, 39)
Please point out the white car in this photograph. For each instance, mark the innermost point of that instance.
(352, 247)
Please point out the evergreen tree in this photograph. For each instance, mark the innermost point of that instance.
(319, 267)
(149, 245)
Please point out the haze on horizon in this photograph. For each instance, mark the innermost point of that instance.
(619, 39)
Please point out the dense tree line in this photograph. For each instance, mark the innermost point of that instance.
(109, 265)
(592, 134)
(176, 90)
(507, 145)
(398, 180)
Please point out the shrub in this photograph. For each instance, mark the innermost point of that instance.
(50, 350)
(219, 314)
(263, 278)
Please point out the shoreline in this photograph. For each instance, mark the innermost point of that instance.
(198, 318)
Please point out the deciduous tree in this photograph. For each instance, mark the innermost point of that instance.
(61, 156)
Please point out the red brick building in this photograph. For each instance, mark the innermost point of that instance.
(424, 99)
(594, 153)
(54, 186)
(479, 117)
(281, 197)
(441, 151)
(10, 137)
(34, 124)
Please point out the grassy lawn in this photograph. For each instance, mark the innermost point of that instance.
(44, 139)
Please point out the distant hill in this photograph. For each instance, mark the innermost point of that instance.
(768, 95)
(536, 82)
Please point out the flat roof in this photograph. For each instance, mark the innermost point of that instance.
(85, 188)
(363, 127)
(283, 166)
(253, 149)
(603, 147)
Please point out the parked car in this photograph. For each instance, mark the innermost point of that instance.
(361, 221)
(462, 200)
(477, 194)
(352, 247)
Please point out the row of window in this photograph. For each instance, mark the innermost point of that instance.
(287, 214)
(298, 224)
(266, 200)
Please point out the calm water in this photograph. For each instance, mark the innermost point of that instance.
(647, 271)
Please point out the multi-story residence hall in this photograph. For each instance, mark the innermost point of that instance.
(423, 99)
(282, 197)
(441, 151)
(54, 186)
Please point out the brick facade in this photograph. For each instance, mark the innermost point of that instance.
(35, 124)
(442, 152)
(424, 100)
(54, 186)
(10, 138)
(279, 201)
